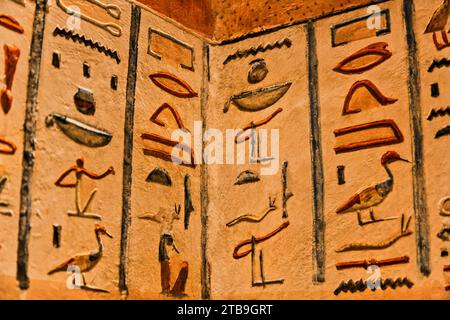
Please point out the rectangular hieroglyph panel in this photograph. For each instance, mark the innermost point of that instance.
(436, 151)
(380, 75)
(11, 130)
(287, 255)
(150, 198)
(58, 147)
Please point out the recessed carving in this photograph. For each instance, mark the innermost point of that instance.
(10, 23)
(167, 155)
(160, 176)
(372, 262)
(444, 206)
(364, 59)
(247, 176)
(404, 232)
(173, 85)
(161, 45)
(437, 24)
(84, 101)
(254, 125)
(356, 29)
(254, 218)
(4, 204)
(239, 255)
(367, 135)
(10, 147)
(175, 114)
(258, 71)
(80, 132)
(370, 197)
(85, 262)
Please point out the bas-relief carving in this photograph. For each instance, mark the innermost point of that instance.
(79, 170)
(246, 101)
(112, 10)
(82, 263)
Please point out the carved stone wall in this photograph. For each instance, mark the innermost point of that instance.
(88, 115)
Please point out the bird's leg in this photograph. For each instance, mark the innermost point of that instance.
(6, 212)
(444, 37)
(84, 286)
(372, 218)
(439, 45)
(84, 280)
(372, 215)
(360, 222)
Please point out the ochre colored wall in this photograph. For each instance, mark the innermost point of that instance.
(207, 244)
(194, 14)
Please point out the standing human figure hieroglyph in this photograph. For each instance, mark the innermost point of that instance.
(79, 172)
(165, 218)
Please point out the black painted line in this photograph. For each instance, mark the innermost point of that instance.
(318, 244)
(300, 22)
(188, 206)
(128, 145)
(29, 147)
(205, 266)
(418, 171)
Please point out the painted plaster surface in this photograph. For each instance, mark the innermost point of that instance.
(348, 102)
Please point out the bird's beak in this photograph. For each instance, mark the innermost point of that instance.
(404, 160)
(108, 234)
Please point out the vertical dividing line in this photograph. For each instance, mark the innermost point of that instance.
(318, 242)
(415, 113)
(128, 145)
(205, 271)
(34, 66)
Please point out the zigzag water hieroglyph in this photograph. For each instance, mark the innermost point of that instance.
(361, 285)
(444, 62)
(254, 51)
(76, 37)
